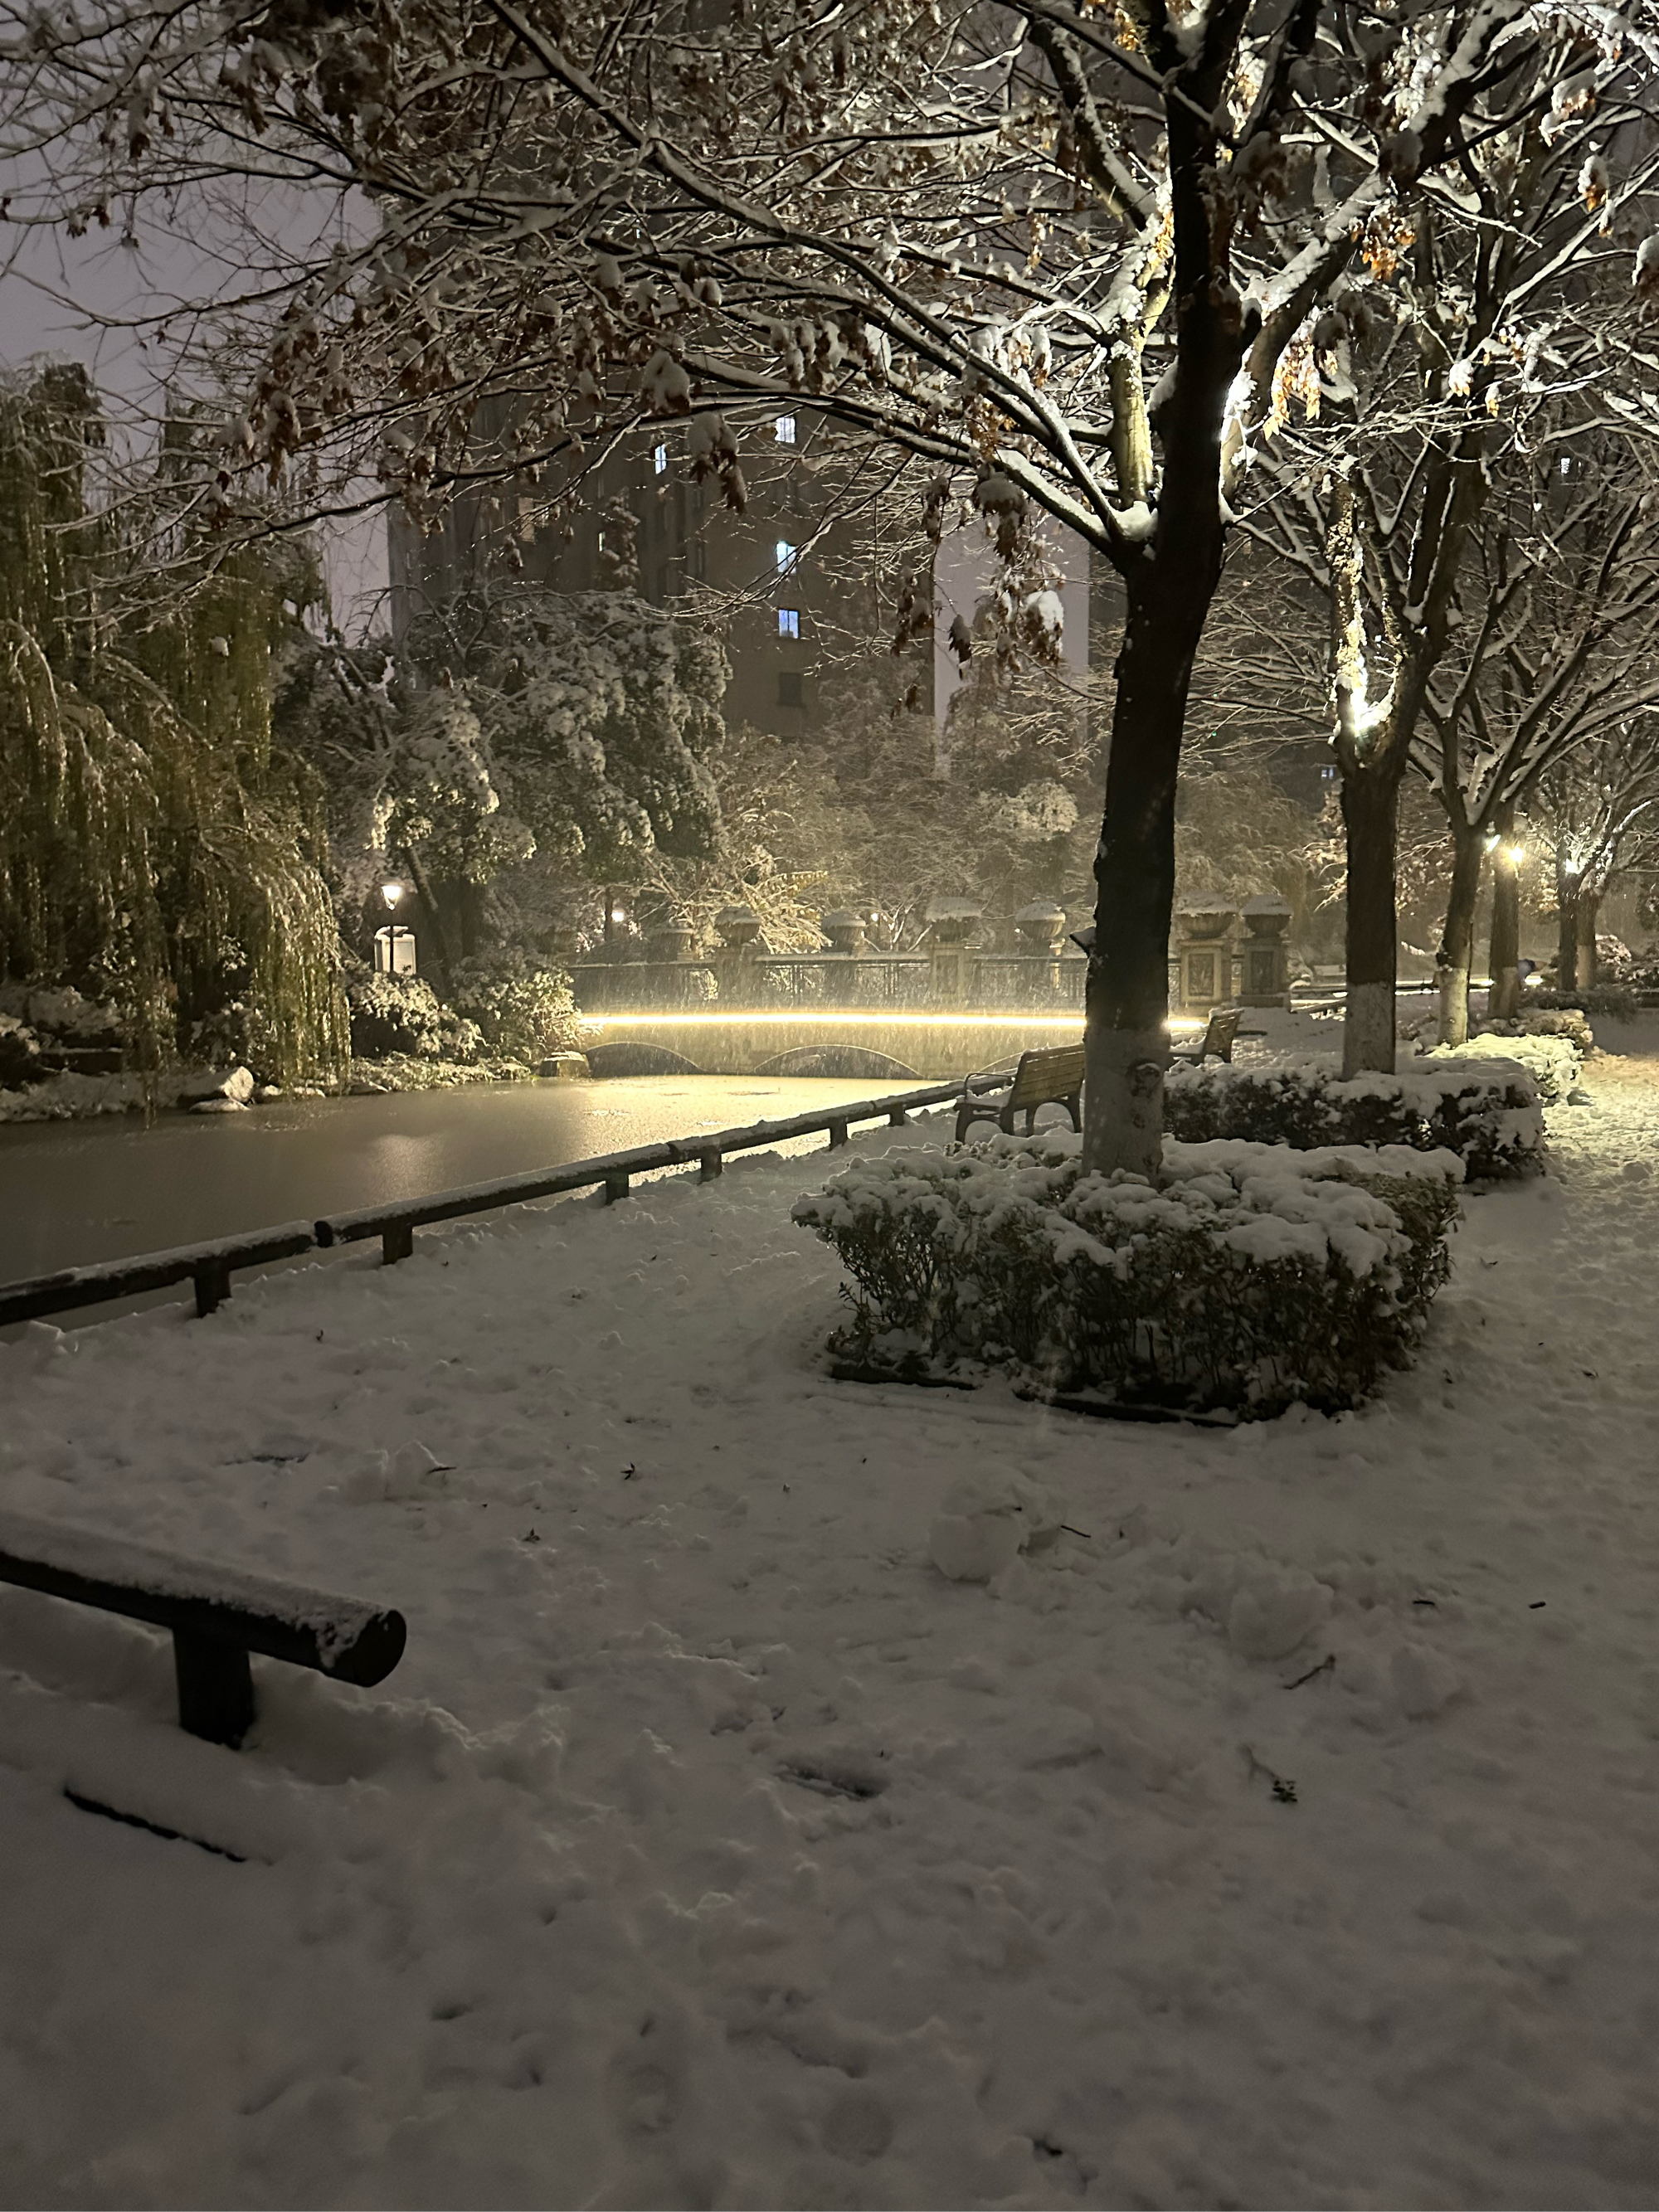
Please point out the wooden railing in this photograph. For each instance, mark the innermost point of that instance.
(210, 1266)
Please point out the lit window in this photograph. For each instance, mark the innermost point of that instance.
(788, 621)
(1566, 465)
(785, 426)
(660, 459)
(785, 553)
(1328, 775)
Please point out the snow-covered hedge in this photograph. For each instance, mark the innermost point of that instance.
(1252, 1278)
(402, 1016)
(521, 1006)
(1552, 1061)
(1487, 1111)
(1615, 1000)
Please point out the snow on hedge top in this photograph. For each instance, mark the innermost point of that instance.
(1262, 1201)
(1485, 1110)
(1551, 1062)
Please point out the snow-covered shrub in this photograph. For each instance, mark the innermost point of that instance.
(1251, 1277)
(522, 1007)
(1552, 1062)
(1547, 1021)
(1487, 1111)
(20, 1053)
(402, 1014)
(63, 1015)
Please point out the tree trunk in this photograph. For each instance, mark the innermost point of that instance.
(1128, 985)
(439, 956)
(1590, 913)
(1168, 588)
(1504, 1003)
(1566, 939)
(1457, 953)
(1370, 803)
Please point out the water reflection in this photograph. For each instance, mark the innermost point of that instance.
(75, 1192)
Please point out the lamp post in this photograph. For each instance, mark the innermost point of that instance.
(394, 947)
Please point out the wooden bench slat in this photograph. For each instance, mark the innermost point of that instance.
(1054, 1075)
(1050, 1076)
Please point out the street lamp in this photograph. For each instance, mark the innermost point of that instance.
(394, 948)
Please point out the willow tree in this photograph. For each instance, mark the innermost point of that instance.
(1059, 252)
(154, 849)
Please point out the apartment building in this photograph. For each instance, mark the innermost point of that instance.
(804, 581)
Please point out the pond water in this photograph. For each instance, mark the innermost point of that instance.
(75, 1192)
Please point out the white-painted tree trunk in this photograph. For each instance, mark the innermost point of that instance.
(1368, 1041)
(1125, 1090)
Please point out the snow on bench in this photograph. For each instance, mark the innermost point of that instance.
(216, 1615)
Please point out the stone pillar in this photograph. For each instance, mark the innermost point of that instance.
(1042, 925)
(843, 930)
(736, 966)
(953, 925)
(1266, 956)
(1203, 926)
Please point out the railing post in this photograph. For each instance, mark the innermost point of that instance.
(216, 1687)
(897, 1118)
(396, 1242)
(616, 1186)
(711, 1163)
(212, 1281)
(837, 1134)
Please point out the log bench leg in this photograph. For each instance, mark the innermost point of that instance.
(712, 1162)
(216, 1687)
(837, 1134)
(212, 1281)
(396, 1242)
(616, 1187)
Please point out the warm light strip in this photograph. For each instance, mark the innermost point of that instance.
(738, 1018)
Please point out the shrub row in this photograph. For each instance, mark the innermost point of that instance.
(1615, 1000)
(1485, 1111)
(1249, 1280)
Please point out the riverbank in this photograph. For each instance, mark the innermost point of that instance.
(75, 1098)
(710, 1847)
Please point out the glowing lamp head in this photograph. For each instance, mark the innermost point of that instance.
(392, 893)
(1515, 854)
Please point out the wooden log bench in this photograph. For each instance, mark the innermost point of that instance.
(1052, 1077)
(217, 1616)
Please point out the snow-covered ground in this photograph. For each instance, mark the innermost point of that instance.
(710, 1847)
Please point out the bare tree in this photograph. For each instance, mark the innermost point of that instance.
(1515, 270)
(1596, 810)
(1559, 654)
(1062, 257)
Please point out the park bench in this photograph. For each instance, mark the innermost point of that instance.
(216, 1615)
(1218, 1034)
(1050, 1078)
